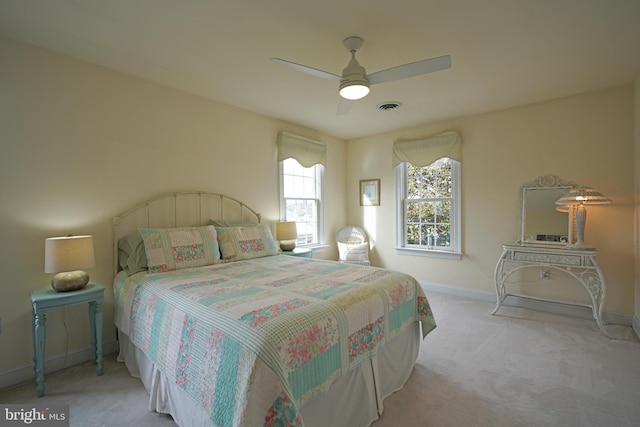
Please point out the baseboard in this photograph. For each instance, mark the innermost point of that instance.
(458, 292)
(549, 307)
(636, 326)
(52, 364)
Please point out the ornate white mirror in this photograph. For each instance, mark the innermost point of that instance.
(541, 220)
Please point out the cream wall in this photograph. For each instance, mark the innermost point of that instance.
(587, 139)
(80, 144)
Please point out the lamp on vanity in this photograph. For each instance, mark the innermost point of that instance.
(287, 233)
(67, 256)
(576, 199)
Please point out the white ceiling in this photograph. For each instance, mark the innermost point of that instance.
(504, 52)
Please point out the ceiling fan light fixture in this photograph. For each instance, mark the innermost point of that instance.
(354, 84)
(354, 89)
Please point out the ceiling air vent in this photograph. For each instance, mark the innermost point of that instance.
(385, 106)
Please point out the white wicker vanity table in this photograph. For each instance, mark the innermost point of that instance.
(580, 264)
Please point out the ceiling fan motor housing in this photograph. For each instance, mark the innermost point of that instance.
(354, 75)
(354, 70)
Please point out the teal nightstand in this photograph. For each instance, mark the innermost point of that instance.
(48, 298)
(299, 252)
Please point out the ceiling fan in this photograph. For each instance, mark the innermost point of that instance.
(354, 83)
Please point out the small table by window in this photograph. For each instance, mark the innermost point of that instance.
(45, 299)
(580, 264)
(299, 252)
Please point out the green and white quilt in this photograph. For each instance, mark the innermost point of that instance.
(251, 341)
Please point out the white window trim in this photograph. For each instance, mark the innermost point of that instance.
(456, 234)
(316, 247)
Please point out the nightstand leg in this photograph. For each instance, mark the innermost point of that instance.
(95, 319)
(35, 345)
(92, 328)
(40, 334)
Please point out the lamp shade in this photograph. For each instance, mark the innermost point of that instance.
(68, 253)
(286, 230)
(583, 195)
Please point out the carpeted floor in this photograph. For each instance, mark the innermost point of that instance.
(517, 368)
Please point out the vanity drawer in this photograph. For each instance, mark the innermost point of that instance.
(547, 258)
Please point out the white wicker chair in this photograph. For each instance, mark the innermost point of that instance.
(353, 247)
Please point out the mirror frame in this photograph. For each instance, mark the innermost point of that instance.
(541, 183)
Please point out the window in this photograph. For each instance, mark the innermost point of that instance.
(429, 207)
(301, 199)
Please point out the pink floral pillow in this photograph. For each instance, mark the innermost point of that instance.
(170, 249)
(238, 243)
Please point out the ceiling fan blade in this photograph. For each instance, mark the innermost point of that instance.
(410, 70)
(308, 70)
(344, 106)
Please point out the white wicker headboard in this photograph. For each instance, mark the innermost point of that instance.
(179, 209)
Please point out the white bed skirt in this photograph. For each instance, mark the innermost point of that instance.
(354, 400)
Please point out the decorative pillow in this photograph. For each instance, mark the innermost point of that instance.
(237, 243)
(175, 248)
(353, 252)
(131, 255)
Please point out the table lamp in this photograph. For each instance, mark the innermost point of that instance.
(67, 256)
(287, 233)
(579, 197)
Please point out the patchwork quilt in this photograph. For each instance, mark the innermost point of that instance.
(251, 341)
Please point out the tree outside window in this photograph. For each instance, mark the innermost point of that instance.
(429, 201)
(428, 204)
(301, 199)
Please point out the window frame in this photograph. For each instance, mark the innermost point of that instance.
(455, 250)
(320, 201)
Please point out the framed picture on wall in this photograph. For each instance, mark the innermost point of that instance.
(370, 192)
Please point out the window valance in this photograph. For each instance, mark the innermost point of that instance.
(306, 151)
(423, 152)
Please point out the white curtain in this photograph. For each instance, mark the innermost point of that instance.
(306, 151)
(424, 151)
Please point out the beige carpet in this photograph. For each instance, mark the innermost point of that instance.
(517, 368)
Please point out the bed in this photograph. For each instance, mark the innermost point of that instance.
(224, 330)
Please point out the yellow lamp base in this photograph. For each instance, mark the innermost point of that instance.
(70, 281)
(287, 245)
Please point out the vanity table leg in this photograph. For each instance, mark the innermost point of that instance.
(499, 278)
(598, 291)
(598, 306)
